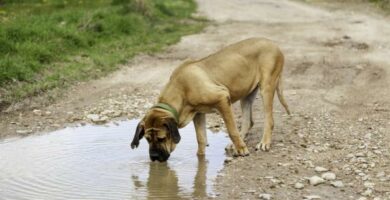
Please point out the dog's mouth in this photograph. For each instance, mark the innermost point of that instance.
(159, 156)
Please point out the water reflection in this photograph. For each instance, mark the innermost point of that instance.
(200, 179)
(163, 182)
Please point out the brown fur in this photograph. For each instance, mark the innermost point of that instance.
(215, 82)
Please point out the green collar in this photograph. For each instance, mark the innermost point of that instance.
(168, 108)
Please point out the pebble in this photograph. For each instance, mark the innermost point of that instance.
(369, 184)
(312, 197)
(380, 174)
(251, 191)
(350, 155)
(103, 119)
(359, 154)
(299, 185)
(328, 176)
(23, 132)
(37, 112)
(320, 169)
(265, 196)
(96, 118)
(228, 159)
(362, 174)
(377, 152)
(368, 192)
(337, 184)
(315, 180)
(93, 117)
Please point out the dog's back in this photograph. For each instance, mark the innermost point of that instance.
(238, 67)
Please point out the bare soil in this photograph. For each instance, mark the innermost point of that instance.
(336, 81)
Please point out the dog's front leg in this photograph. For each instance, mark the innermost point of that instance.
(200, 128)
(224, 106)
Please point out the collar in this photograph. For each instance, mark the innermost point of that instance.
(168, 108)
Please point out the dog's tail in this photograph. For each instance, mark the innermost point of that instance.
(279, 90)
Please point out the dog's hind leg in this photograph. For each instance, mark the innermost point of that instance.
(267, 91)
(246, 107)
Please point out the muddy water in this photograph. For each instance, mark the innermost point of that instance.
(95, 162)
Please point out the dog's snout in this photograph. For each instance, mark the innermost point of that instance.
(160, 156)
(153, 155)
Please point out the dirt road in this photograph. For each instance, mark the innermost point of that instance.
(336, 81)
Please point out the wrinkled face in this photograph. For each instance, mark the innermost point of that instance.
(161, 132)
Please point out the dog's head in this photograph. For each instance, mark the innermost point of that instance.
(160, 129)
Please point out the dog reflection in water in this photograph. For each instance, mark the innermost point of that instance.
(163, 182)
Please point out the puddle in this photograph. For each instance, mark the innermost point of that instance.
(96, 162)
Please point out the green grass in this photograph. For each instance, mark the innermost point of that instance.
(384, 4)
(46, 44)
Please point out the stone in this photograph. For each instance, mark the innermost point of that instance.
(228, 160)
(337, 184)
(378, 152)
(368, 192)
(315, 180)
(103, 119)
(311, 197)
(320, 169)
(265, 196)
(369, 184)
(97, 119)
(37, 112)
(93, 117)
(328, 176)
(299, 185)
(251, 191)
(23, 132)
(380, 174)
(359, 154)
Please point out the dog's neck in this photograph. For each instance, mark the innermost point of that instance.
(174, 98)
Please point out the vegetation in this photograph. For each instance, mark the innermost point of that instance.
(385, 4)
(47, 44)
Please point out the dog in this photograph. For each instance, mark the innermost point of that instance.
(237, 72)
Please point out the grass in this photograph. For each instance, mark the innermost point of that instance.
(46, 44)
(382, 4)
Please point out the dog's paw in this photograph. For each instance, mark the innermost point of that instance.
(243, 151)
(232, 151)
(263, 146)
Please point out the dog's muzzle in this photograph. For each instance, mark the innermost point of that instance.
(161, 156)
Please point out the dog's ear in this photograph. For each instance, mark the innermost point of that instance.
(139, 133)
(173, 130)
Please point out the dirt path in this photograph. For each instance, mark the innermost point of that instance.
(336, 81)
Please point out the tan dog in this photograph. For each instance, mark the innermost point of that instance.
(234, 73)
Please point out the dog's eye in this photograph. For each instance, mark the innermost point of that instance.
(160, 139)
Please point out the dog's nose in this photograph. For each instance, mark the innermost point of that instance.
(154, 156)
(160, 156)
